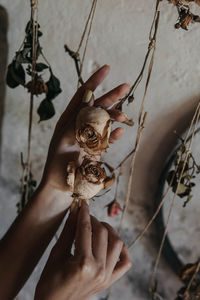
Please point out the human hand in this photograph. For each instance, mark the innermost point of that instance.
(100, 258)
(64, 147)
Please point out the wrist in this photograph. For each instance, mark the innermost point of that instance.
(49, 197)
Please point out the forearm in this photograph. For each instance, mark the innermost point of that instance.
(28, 237)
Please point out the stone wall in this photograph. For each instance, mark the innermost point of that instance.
(119, 37)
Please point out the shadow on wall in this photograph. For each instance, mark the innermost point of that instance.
(159, 141)
(3, 63)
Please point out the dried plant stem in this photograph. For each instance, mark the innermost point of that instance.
(148, 224)
(138, 140)
(75, 55)
(94, 4)
(86, 26)
(34, 16)
(152, 41)
(142, 115)
(193, 277)
(173, 201)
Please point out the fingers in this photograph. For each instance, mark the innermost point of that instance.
(83, 244)
(96, 79)
(64, 244)
(114, 249)
(99, 240)
(122, 266)
(111, 97)
(116, 134)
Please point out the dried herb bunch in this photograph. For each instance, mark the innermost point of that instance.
(22, 66)
(190, 275)
(181, 177)
(185, 16)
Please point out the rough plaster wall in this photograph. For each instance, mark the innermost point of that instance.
(119, 37)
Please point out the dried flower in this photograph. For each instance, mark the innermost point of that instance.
(87, 180)
(93, 127)
(39, 87)
(185, 15)
(190, 275)
(113, 208)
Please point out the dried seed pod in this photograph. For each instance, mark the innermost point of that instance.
(39, 87)
(87, 180)
(93, 127)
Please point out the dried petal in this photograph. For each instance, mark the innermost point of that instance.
(39, 87)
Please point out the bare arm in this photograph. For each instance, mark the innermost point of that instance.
(31, 232)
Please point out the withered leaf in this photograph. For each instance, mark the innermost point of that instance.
(40, 67)
(46, 110)
(15, 76)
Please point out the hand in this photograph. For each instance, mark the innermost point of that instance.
(64, 147)
(100, 258)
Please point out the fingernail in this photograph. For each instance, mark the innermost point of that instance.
(87, 96)
(128, 83)
(107, 65)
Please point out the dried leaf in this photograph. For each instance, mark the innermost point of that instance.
(40, 67)
(15, 76)
(46, 110)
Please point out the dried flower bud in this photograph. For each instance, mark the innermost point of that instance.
(38, 88)
(93, 127)
(113, 208)
(88, 179)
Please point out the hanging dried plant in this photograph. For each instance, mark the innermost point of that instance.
(93, 127)
(190, 275)
(181, 181)
(185, 16)
(16, 74)
(86, 181)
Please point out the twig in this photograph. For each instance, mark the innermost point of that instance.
(34, 16)
(75, 55)
(152, 42)
(88, 35)
(142, 116)
(148, 224)
(138, 140)
(193, 277)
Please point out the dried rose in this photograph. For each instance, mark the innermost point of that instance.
(39, 87)
(93, 127)
(113, 208)
(87, 180)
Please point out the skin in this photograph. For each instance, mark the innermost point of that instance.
(100, 258)
(29, 235)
